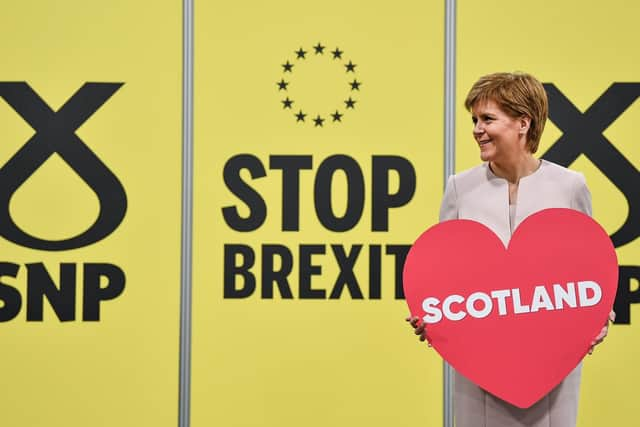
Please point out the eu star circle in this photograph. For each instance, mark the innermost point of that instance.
(327, 97)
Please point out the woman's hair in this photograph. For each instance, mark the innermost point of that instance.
(517, 94)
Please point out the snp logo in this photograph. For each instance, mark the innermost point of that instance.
(582, 134)
(55, 133)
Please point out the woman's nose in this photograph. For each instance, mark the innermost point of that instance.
(478, 129)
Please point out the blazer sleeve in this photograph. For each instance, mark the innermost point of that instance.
(449, 206)
(581, 200)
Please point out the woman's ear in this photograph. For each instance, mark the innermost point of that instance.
(525, 124)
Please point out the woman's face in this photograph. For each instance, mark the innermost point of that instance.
(501, 138)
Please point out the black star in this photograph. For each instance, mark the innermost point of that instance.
(319, 48)
(300, 116)
(337, 54)
(350, 102)
(286, 103)
(337, 117)
(282, 84)
(350, 66)
(287, 67)
(355, 84)
(301, 53)
(318, 121)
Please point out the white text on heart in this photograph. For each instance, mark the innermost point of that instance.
(481, 304)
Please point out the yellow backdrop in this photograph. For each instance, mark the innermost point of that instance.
(120, 370)
(261, 361)
(342, 102)
(582, 48)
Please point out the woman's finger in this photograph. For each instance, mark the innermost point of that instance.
(413, 321)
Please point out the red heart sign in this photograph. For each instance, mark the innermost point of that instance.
(515, 321)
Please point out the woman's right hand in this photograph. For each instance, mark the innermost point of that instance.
(418, 327)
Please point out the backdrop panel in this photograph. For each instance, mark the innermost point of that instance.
(90, 212)
(318, 162)
(585, 53)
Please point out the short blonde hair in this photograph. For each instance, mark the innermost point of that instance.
(517, 94)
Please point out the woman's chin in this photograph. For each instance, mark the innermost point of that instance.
(485, 157)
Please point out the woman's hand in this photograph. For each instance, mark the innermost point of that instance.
(418, 327)
(603, 332)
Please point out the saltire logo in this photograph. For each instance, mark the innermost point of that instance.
(292, 90)
(55, 133)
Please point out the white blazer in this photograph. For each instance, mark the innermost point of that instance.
(479, 195)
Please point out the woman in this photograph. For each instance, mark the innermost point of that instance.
(509, 111)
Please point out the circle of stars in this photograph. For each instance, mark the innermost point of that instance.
(334, 115)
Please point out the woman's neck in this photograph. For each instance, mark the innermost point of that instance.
(512, 171)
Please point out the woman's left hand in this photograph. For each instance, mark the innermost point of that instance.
(603, 332)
